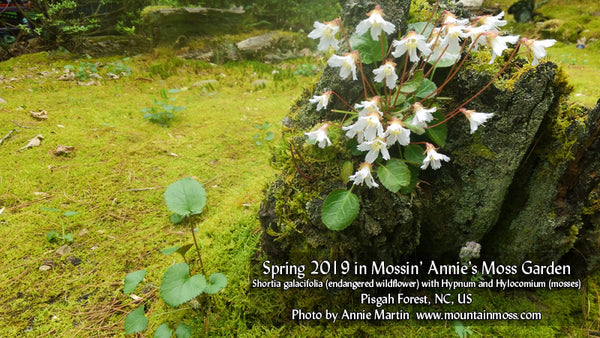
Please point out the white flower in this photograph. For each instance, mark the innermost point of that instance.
(449, 17)
(490, 22)
(387, 72)
(376, 23)
(454, 33)
(347, 64)
(326, 33)
(319, 136)
(374, 147)
(475, 119)
(366, 107)
(366, 127)
(411, 42)
(421, 115)
(537, 48)
(363, 175)
(321, 100)
(433, 157)
(498, 43)
(395, 132)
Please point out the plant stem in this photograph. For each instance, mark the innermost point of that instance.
(197, 249)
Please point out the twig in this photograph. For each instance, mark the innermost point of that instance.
(7, 136)
(22, 126)
(142, 189)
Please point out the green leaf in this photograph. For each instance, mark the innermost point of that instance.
(170, 250)
(216, 283)
(163, 94)
(163, 331)
(427, 87)
(136, 321)
(185, 197)
(70, 213)
(132, 280)
(269, 136)
(439, 133)
(369, 49)
(183, 331)
(52, 235)
(424, 28)
(347, 170)
(178, 287)
(394, 175)
(173, 91)
(414, 179)
(49, 209)
(414, 84)
(68, 237)
(183, 249)
(414, 153)
(442, 63)
(415, 129)
(339, 209)
(176, 218)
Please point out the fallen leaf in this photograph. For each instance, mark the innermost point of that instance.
(40, 115)
(34, 142)
(2, 101)
(67, 76)
(63, 150)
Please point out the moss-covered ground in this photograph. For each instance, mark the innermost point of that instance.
(115, 177)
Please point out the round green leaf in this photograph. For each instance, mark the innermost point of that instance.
(369, 49)
(185, 197)
(216, 282)
(425, 89)
(136, 321)
(178, 287)
(394, 175)
(163, 331)
(414, 153)
(339, 209)
(132, 280)
(183, 331)
(176, 218)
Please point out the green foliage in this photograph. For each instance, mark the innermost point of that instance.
(438, 133)
(394, 175)
(306, 69)
(52, 235)
(132, 280)
(185, 197)
(265, 135)
(136, 321)
(178, 286)
(370, 50)
(161, 112)
(163, 331)
(339, 209)
(216, 282)
(461, 330)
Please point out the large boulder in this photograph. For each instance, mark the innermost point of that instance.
(167, 24)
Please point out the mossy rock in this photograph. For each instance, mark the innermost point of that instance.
(166, 24)
(525, 186)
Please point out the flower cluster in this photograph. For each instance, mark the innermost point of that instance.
(399, 102)
(469, 251)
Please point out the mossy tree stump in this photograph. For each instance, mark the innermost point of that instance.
(525, 186)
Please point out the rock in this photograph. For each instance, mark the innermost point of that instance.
(63, 250)
(168, 24)
(522, 10)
